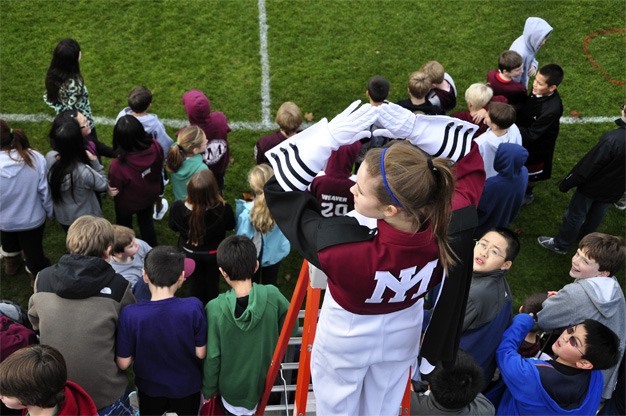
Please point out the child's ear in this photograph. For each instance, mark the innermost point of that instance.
(257, 266)
(223, 272)
(521, 309)
(506, 265)
(584, 364)
(107, 253)
(552, 88)
(146, 279)
(604, 273)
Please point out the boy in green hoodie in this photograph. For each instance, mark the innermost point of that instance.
(243, 328)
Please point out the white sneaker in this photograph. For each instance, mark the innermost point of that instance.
(159, 215)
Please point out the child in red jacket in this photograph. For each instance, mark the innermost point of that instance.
(34, 379)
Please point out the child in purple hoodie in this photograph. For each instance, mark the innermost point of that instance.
(215, 126)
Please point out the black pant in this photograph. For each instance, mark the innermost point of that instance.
(144, 220)
(158, 405)
(31, 243)
(204, 281)
(267, 275)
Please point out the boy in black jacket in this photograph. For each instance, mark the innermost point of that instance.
(599, 178)
(538, 122)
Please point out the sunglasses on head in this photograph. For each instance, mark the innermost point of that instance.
(572, 341)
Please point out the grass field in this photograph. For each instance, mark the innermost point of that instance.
(320, 55)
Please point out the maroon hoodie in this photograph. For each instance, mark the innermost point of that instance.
(333, 189)
(139, 179)
(214, 125)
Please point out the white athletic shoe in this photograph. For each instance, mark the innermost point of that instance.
(159, 215)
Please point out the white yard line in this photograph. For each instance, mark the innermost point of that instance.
(244, 125)
(266, 122)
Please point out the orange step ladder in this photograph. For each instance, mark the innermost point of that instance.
(308, 335)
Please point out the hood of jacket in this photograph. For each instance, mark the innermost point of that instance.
(197, 106)
(341, 160)
(510, 159)
(250, 318)
(620, 123)
(9, 166)
(150, 122)
(77, 401)
(608, 307)
(147, 158)
(535, 30)
(77, 277)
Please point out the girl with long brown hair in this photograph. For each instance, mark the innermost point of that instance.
(201, 220)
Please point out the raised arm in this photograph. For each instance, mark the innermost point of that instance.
(296, 161)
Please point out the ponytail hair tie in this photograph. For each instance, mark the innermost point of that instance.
(384, 175)
(429, 161)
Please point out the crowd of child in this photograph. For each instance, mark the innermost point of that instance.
(386, 199)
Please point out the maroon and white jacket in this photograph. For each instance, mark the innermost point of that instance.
(382, 270)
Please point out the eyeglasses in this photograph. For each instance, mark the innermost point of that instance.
(491, 251)
(572, 341)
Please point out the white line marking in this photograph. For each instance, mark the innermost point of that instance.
(586, 120)
(265, 69)
(244, 125)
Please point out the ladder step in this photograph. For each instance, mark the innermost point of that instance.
(290, 387)
(278, 408)
(295, 341)
(289, 366)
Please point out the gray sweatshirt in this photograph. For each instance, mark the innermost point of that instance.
(25, 201)
(527, 45)
(86, 180)
(599, 298)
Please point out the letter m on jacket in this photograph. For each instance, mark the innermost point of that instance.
(400, 286)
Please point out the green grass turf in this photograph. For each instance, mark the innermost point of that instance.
(321, 55)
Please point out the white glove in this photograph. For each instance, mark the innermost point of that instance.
(365, 134)
(439, 136)
(347, 127)
(385, 133)
(399, 121)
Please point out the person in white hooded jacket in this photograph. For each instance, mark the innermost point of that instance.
(536, 31)
(25, 202)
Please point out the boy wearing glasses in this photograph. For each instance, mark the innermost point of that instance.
(569, 384)
(594, 294)
(488, 310)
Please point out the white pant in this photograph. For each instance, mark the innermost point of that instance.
(360, 363)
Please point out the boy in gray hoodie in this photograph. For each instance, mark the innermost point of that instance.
(139, 103)
(75, 308)
(594, 294)
(536, 31)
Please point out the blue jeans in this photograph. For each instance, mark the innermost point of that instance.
(121, 407)
(583, 216)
